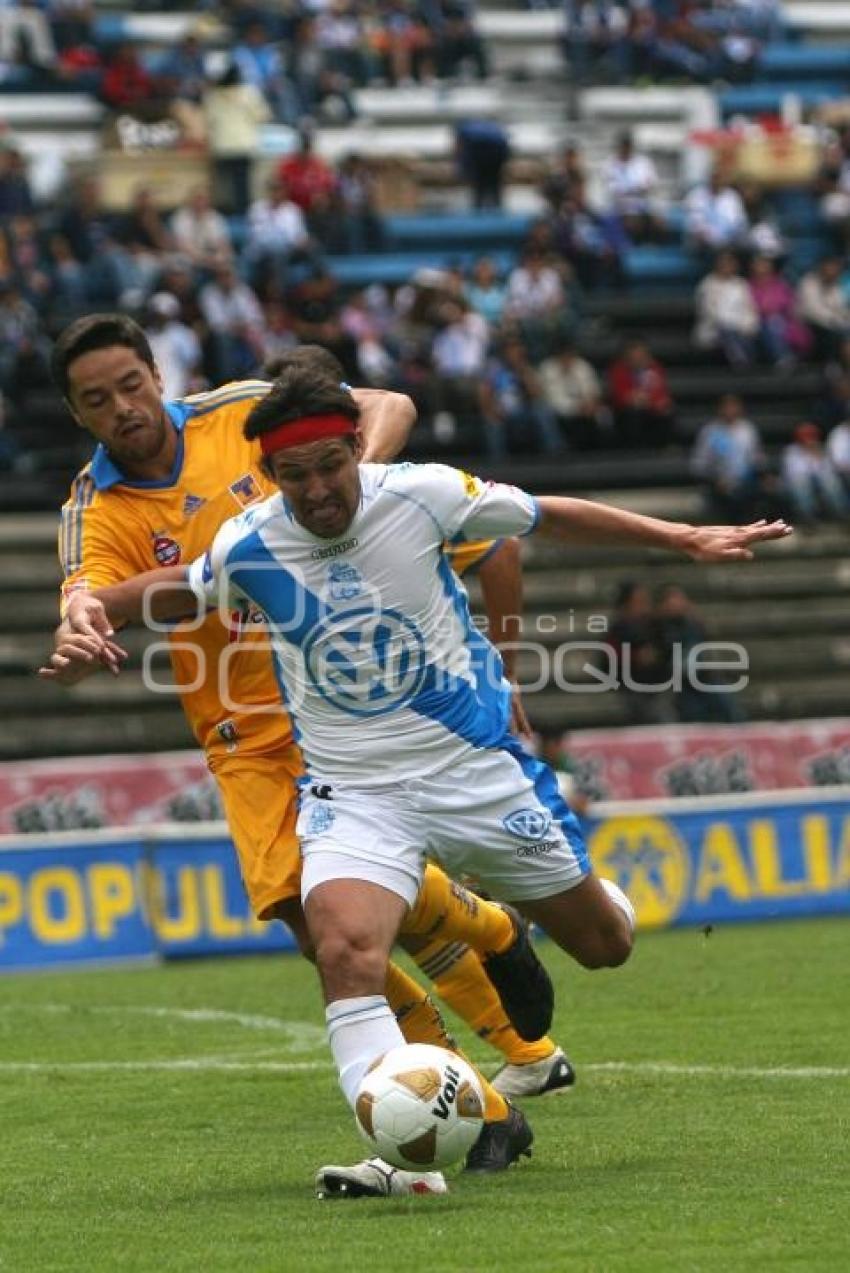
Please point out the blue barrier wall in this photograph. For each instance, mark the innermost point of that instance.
(159, 892)
(732, 858)
(172, 891)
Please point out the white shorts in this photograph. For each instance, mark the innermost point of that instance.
(497, 817)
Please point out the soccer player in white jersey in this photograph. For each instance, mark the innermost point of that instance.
(399, 705)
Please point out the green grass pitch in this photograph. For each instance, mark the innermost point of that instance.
(691, 1155)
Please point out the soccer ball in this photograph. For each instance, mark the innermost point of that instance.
(420, 1106)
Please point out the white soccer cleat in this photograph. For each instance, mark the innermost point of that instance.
(374, 1178)
(553, 1074)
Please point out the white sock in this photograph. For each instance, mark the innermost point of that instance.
(619, 898)
(360, 1030)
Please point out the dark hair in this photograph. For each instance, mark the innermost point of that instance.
(314, 357)
(96, 331)
(297, 392)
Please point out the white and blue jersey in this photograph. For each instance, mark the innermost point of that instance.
(381, 668)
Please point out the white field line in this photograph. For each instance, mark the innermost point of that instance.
(651, 1069)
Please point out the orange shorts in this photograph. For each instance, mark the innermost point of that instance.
(261, 806)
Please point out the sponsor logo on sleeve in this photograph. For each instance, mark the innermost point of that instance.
(246, 490)
(473, 486)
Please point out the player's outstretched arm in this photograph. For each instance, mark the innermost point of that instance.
(386, 419)
(579, 521)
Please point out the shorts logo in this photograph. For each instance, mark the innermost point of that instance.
(344, 582)
(366, 662)
(246, 490)
(528, 824)
(165, 549)
(321, 820)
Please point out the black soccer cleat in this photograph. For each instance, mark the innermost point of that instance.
(522, 983)
(501, 1144)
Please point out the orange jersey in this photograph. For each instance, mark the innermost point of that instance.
(113, 528)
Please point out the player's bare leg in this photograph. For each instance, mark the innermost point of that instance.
(593, 922)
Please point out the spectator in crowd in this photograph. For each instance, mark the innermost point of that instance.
(458, 44)
(640, 398)
(68, 292)
(764, 236)
(305, 175)
(15, 193)
(260, 64)
(639, 664)
(25, 25)
(726, 313)
(537, 301)
(199, 232)
(838, 450)
(143, 228)
(596, 38)
(21, 244)
(277, 232)
(593, 243)
(679, 628)
(728, 458)
(314, 305)
(403, 42)
(234, 110)
(483, 150)
(80, 64)
(812, 482)
(23, 346)
(359, 214)
(176, 348)
(235, 320)
(822, 304)
(783, 337)
(833, 189)
(485, 292)
(182, 72)
(571, 389)
(128, 87)
(458, 354)
(715, 217)
(340, 36)
(365, 322)
(514, 409)
(321, 91)
(630, 181)
(567, 175)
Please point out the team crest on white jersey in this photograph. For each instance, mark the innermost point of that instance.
(344, 581)
(366, 661)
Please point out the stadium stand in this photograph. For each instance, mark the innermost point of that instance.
(787, 607)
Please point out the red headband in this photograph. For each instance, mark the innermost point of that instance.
(311, 428)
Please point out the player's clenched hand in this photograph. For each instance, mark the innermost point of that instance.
(77, 657)
(731, 543)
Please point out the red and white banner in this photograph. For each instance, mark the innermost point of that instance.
(702, 760)
(621, 764)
